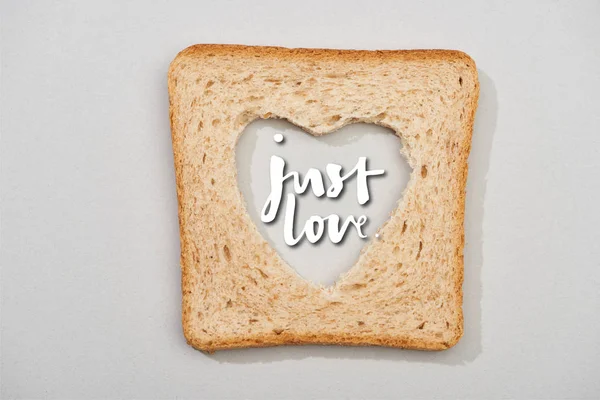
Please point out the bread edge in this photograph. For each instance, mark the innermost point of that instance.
(322, 53)
(288, 338)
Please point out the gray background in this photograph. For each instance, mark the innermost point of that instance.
(322, 262)
(90, 279)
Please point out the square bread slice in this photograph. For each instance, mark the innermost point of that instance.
(405, 290)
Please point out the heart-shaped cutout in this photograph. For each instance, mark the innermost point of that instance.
(322, 262)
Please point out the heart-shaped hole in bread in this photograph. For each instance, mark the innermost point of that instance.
(324, 261)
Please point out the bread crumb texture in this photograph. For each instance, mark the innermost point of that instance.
(405, 290)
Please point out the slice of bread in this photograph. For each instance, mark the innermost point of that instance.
(405, 290)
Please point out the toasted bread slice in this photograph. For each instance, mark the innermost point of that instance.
(405, 290)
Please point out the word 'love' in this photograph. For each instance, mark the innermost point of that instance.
(314, 227)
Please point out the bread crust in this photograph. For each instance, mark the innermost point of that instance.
(206, 332)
